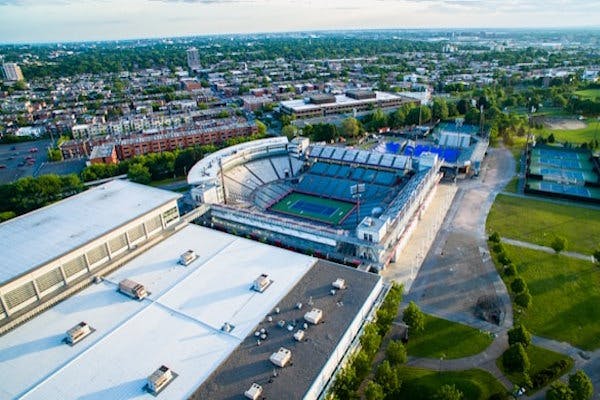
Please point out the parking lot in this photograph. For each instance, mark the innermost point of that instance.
(31, 159)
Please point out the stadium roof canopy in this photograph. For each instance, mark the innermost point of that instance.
(177, 325)
(36, 238)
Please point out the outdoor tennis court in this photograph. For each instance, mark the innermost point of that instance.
(315, 208)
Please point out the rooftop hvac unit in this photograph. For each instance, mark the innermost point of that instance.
(186, 258)
(227, 327)
(314, 316)
(160, 379)
(282, 357)
(78, 332)
(339, 284)
(132, 289)
(254, 392)
(261, 283)
(299, 335)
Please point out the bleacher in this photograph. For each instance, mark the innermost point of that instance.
(364, 157)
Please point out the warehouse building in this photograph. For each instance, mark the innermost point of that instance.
(207, 294)
(51, 252)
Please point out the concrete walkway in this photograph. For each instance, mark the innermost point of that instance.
(546, 249)
(485, 360)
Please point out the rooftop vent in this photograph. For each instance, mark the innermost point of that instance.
(339, 284)
(132, 289)
(254, 392)
(314, 316)
(299, 335)
(160, 379)
(282, 357)
(227, 327)
(78, 332)
(261, 283)
(187, 257)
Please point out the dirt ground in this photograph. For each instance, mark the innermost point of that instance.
(564, 123)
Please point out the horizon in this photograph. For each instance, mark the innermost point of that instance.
(66, 21)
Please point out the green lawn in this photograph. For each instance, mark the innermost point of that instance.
(443, 337)
(584, 135)
(566, 296)
(539, 358)
(422, 384)
(539, 222)
(513, 185)
(588, 93)
(315, 208)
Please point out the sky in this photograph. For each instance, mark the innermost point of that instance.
(79, 20)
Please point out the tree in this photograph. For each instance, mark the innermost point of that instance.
(262, 128)
(414, 317)
(350, 127)
(362, 365)
(495, 237)
(439, 109)
(472, 116)
(370, 340)
(581, 385)
(396, 353)
(139, 173)
(448, 392)
(518, 285)
(597, 256)
(388, 378)
(559, 391)
(559, 244)
(523, 299)
(515, 359)
(519, 334)
(374, 391)
(418, 115)
(551, 138)
(289, 131)
(54, 155)
(345, 384)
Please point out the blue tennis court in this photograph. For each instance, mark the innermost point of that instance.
(566, 189)
(449, 154)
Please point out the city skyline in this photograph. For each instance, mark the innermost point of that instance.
(24, 21)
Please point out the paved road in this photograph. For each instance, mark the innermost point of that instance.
(545, 249)
(458, 269)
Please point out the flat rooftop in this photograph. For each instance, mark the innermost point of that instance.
(178, 325)
(341, 99)
(36, 238)
(250, 363)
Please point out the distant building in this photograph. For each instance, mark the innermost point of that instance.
(104, 154)
(320, 105)
(12, 72)
(193, 58)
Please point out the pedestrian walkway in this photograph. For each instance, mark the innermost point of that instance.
(546, 249)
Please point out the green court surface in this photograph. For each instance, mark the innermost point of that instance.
(314, 208)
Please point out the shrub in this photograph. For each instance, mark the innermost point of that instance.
(503, 258)
(510, 270)
(523, 299)
(515, 359)
(448, 392)
(396, 353)
(559, 244)
(518, 285)
(581, 385)
(495, 237)
(519, 334)
(498, 248)
(414, 317)
(548, 374)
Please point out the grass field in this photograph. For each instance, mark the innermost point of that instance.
(539, 222)
(588, 93)
(539, 358)
(566, 295)
(443, 337)
(422, 384)
(585, 135)
(312, 207)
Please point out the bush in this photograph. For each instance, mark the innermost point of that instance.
(515, 359)
(519, 334)
(548, 374)
(510, 270)
(448, 392)
(559, 244)
(523, 299)
(374, 391)
(414, 317)
(503, 258)
(518, 285)
(597, 256)
(396, 353)
(498, 248)
(559, 391)
(581, 385)
(495, 237)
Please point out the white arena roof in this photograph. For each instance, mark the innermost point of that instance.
(340, 99)
(40, 236)
(178, 325)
